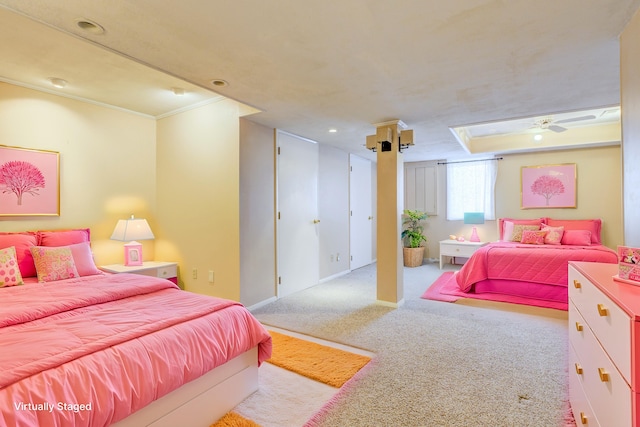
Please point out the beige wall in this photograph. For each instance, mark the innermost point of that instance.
(598, 186)
(198, 188)
(630, 102)
(107, 163)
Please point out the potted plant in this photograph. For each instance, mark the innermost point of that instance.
(413, 237)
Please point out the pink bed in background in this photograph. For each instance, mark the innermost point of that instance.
(96, 349)
(531, 258)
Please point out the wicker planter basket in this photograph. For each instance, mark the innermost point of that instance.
(413, 256)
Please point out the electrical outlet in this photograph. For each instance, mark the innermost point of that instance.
(331, 257)
(194, 273)
(211, 277)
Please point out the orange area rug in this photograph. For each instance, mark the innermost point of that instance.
(328, 365)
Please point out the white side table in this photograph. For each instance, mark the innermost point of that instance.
(165, 270)
(454, 248)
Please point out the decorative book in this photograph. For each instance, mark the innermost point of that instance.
(628, 264)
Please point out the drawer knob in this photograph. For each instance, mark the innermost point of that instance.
(602, 310)
(578, 369)
(604, 376)
(579, 327)
(577, 284)
(583, 418)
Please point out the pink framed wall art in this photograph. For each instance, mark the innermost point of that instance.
(29, 182)
(548, 186)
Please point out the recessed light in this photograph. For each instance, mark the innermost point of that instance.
(57, 82)
(219, 82)
(537, 137)
(178, 91)
(90, 26)
(333, 130)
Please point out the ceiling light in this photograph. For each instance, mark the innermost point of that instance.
(57, 82)
(90, 26)
(333, 130)
(219, 83)
(537, 137)
(178, 91)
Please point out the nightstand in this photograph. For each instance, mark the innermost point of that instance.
(454, 248)
(165, 270)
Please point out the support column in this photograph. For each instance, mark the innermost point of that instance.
(390, 194)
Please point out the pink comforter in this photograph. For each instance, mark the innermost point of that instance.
(88, 351)
(546, 264)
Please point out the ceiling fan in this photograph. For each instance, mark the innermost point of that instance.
(552, 125)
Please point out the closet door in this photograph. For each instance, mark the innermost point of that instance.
(298, 226)
(361, 212)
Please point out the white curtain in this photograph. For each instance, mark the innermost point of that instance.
(471, 188)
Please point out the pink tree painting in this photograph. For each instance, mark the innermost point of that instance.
(21, 178)
(547, 186)
(29, 182)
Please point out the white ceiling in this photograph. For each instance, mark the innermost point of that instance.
(311, 66)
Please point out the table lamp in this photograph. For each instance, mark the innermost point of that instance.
(130, 230)
(474, 218)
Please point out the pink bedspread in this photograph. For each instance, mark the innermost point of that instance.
(546, 264)
(91, 351)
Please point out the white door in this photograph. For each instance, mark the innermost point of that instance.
(361, 215)
(298, 244)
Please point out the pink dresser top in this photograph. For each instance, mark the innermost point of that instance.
(625, 295)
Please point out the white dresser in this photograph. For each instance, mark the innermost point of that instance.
(604, 350)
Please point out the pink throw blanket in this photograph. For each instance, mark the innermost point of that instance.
(104, 340)
(546, 264)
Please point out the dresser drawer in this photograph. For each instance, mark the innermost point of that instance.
(610, 325)
(582, 411)
(168, 272)
(603, 386)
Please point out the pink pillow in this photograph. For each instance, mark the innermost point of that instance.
(518, 229)
(554, 235)
(9, 271)
(506, 225)
(533, 237)
(54, 263)
(83, 259)
(63, 237)
(576, 237)
(22, 242)
(592, 225)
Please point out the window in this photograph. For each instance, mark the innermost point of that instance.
(470, 188)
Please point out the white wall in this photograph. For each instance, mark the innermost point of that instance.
(333, 207)
(257, 213)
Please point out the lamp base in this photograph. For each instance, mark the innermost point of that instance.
(474, 235)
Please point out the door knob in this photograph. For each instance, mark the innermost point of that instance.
(315, 221)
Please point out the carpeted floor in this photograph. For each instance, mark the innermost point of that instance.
(473, 363)
(446, 289)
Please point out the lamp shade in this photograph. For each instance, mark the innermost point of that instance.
(474, 217)
(131, 229)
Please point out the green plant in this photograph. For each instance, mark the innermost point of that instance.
(412, 233)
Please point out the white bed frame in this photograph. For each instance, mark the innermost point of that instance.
(204, 400)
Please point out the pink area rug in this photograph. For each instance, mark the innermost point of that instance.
(446, 289)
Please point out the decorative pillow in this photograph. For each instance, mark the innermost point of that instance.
(83, 259)
(519, 228)
(22, 242)
(505, 226)
(576, 237)
(554, 235)
(54, 263)
(592, 225)
(533, 237)
(9, 271)
(63, 237)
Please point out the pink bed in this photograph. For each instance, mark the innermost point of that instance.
(95, 349)
(537, 271)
